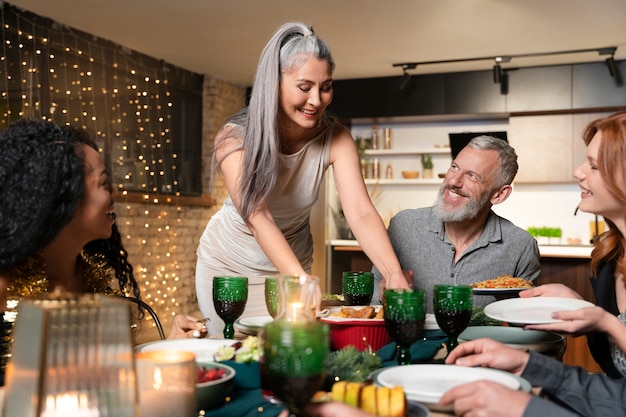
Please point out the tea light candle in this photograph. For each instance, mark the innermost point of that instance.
(296, 311)
(166, 382)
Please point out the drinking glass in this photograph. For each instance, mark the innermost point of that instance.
(405, 312)
(358, 288)
(293, 360)
(230, 295)
(295, 346)
(453, 310)
(271, 296)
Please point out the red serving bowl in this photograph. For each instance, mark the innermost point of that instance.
(360, 333)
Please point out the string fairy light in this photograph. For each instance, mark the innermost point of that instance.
(56, 73)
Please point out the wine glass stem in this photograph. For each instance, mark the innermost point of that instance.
(404, 355)
(452, 343)
(229, 331)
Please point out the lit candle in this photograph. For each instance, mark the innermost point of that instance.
(296, 311)
(166, 383)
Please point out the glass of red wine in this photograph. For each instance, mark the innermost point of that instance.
(230, 295)
(405, 312)
(453, 310)
(295, 345)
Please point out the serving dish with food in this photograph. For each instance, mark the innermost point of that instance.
(502, 285)
(360, 326)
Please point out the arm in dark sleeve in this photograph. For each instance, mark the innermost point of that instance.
(576, 389)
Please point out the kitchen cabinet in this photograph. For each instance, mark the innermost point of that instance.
(549, 147)
(541, 88)
(557, 88)
(593, 87)
(473, 92)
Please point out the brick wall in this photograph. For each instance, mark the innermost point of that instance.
(161, 239)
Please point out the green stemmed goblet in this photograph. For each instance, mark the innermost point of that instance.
(271, 296)
(453, 310)
(357, 287)
(405, 312)
(230, 295)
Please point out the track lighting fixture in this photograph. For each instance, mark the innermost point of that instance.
(500, 75)
(497, 73)
(406, 76)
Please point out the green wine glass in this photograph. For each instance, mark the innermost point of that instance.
(230, 295)
(453, 310)
(405, 313)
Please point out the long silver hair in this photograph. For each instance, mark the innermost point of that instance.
(288, 49)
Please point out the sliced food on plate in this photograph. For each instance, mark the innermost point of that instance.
(504, 281)
(504, 285)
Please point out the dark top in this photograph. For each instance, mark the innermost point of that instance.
(598, 342)
(572, 391)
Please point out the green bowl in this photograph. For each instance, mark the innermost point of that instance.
(213, 394)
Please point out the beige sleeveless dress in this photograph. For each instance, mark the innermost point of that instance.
(227, 247)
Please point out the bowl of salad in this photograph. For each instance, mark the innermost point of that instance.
(214, 382)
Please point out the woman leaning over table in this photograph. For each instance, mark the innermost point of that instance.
(58, 226)
(273, 155)
(602, 180)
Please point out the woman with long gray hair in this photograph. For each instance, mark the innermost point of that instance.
(273, 155)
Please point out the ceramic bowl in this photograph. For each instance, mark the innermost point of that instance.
(410, 174)
(212, 394)
(361, 333)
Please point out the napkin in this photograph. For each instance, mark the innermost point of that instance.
(246, 399)
(421, 351)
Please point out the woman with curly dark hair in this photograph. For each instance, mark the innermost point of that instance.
(58, 221)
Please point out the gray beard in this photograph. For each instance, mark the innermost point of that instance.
(467, 212)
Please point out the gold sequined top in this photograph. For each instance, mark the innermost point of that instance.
(29, 278)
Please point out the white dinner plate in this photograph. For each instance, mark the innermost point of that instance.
(204, 349)
(515, 337)
(252, 325)
(497, 291)
(427, 383)
(535, 310)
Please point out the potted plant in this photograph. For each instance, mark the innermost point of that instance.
(427, 165)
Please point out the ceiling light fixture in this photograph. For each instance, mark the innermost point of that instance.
(507, 58)
(406, 76)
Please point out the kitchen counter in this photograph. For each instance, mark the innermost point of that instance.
(546, 251)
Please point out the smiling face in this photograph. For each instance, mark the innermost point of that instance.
(467, 187)
(305, 92)
(94, 215)
(595, 197)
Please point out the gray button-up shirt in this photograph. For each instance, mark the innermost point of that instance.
(421, 244)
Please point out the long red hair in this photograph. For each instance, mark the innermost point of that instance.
(611, 163)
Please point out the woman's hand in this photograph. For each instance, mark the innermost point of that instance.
(550, 290)
(485, 398)
(578, 322)
(186, 326)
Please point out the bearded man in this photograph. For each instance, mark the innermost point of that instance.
(460, 240)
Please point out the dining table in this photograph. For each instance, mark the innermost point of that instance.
(246, 399)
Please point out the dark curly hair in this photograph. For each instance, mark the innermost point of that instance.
(41, 182)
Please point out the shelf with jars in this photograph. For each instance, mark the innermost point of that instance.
(384, 162)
